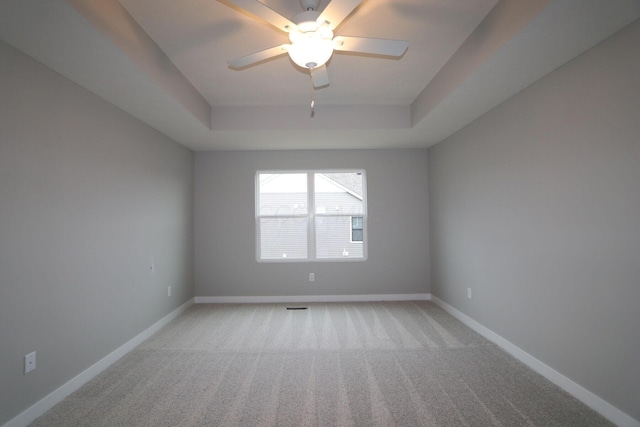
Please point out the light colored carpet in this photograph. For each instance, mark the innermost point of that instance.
(335, 364)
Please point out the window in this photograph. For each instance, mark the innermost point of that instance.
(311, 215)
(357, 229)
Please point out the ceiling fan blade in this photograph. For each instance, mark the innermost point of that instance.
(320, 77)
(265, 13)
(336, 11)
(371, 46)
(245, 61)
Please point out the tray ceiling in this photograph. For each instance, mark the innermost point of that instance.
(165, 62)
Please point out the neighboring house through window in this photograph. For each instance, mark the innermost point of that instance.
(310, 215)
(357, 229)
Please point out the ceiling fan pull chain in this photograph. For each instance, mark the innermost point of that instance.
(313, 101)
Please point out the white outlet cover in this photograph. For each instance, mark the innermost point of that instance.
(29, 362)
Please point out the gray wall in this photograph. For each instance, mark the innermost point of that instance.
(536, 207)
(225, 263)
(88, 198)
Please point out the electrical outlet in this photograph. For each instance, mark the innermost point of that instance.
(169, 291)
(29, 362)
(469, 293)
(312, 277)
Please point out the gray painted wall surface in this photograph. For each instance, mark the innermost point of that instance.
(88, 198)
(536, 207)
(397, 263)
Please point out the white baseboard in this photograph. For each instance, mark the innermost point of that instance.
(311, 298)
(599, 405)
(55, 397)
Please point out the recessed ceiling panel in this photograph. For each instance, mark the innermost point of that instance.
(200, 36)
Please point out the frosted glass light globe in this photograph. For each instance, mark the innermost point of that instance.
(310, 50)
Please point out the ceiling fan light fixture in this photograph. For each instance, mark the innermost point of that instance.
(311, 35)
(310, 51)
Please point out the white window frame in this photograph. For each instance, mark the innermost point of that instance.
(310, 216)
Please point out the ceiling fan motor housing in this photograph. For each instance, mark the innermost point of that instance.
(306, 21)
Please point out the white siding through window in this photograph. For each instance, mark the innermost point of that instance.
(308, 215)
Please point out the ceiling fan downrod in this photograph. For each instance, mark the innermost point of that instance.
(308, 5)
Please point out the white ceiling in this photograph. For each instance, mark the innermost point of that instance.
(164, 62)
(200, 36)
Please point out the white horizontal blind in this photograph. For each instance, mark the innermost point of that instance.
(309, 215)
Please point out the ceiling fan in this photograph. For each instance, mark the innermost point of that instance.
(311, 36)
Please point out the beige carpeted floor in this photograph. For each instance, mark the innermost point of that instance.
(334, 364)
